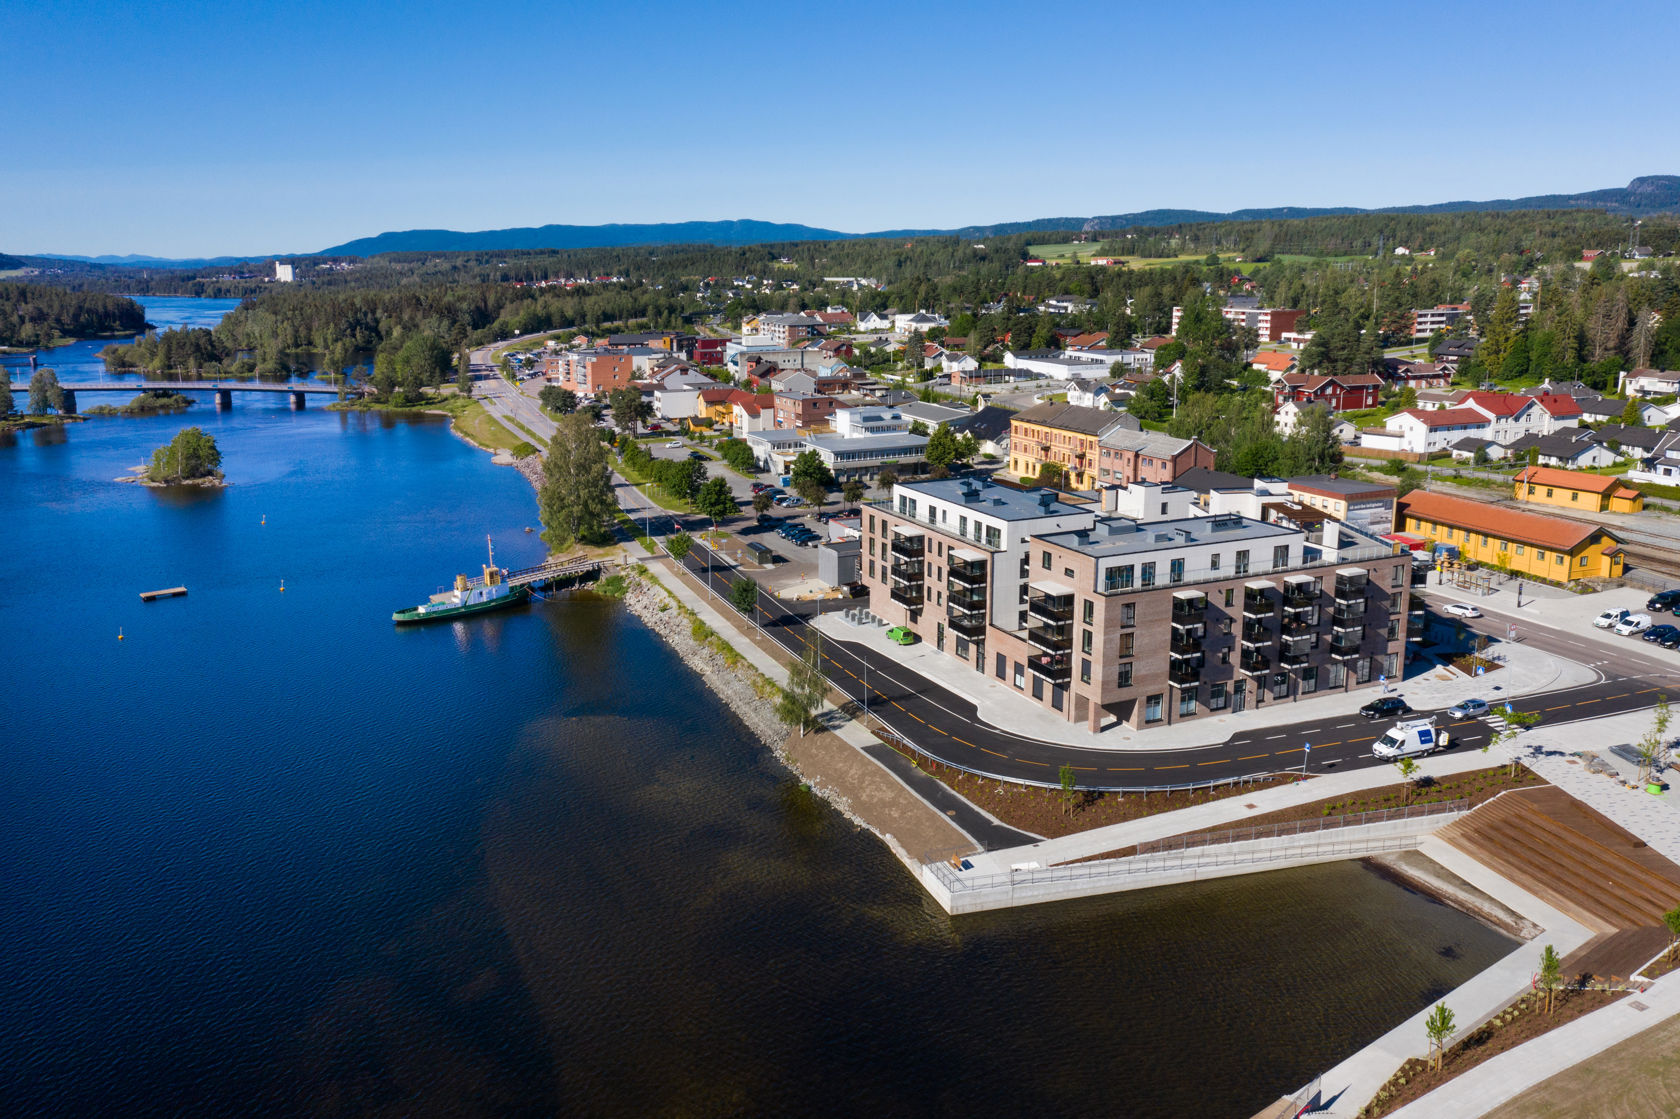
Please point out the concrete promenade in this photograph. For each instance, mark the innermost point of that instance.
(1526, 671)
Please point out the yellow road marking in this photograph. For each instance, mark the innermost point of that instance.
(1216, 761)
(1292, 750)
(1184, 766)
(1029, 761)
(994, 753)
(1560, 707)
(966, 742)
(1252, 757)
(1584, 702)
(1125, 769)
(1090, 768)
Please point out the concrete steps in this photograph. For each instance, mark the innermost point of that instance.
(1592, 883)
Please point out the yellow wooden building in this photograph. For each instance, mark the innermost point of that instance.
(1065, 434)
(1571, 489)
(1554, 548)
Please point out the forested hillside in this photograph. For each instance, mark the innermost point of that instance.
(36, 315)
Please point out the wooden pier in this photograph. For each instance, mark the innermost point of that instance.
(167, 592)
(555, 570)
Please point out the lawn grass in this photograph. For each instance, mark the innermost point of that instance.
(650, 491)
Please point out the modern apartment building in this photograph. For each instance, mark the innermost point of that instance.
(1442, 316)
(1111, 619)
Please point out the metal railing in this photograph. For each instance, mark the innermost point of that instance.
(1119, 870)
(1300, 827)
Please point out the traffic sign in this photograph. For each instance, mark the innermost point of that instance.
(1511, 632)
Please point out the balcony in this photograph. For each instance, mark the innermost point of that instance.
(1050, 607)
(1344, 649)
(1299, 594)
(1185, 671)
(911, 547)
(1295, 655)
(967, 573)
(1056, 668)
(1351, 584)
(966, 598)
(1348, 613)
(1255, 661)
(1298, 623)
(1253, 632)
(1257, 603)
(910, 595)
(908, 569)
(1189, 606)
(1187, 640)
(1052, 639)
(967, 623)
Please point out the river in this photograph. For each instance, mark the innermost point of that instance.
(268, 855)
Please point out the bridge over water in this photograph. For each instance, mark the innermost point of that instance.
(223, 390)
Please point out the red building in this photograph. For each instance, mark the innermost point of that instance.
(1344, 393)
(797, 410)
(708, 351)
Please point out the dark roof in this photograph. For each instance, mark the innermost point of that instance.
(1341, 487)
(1457, 347)
(1068, 417)
(1202, 480)
(1645, 438)
(989, 422)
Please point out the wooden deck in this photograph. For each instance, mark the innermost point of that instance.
(167, 592)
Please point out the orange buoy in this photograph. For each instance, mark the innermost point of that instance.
(119, 633)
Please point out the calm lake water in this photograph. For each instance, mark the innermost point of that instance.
(268, 855)
(79, 361)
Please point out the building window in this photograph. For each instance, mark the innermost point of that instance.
(1175, 570)
(1225, 627)
(1363, 675)
(1084, 641)
(872, 524)
(994, 537)
(1146, 577)
(1044, 560)
(1020, 676)
(1280, 557)
(1241, 565)
(1393, 628)
(1540, 554)
(1126, 640)
(1117, 578)
(1519, 549)
(1128, 610)
(1056, 694)
(1216, 697)
(1038, 687)
(1309, 680)
(1280, 685)
(1574, 495)
(1084, 672)
(1002, 666)
(1124, 677)
(1391, 665)
(1090, 611)
(1213, 562)
(1152, 709)
(1548, 491)
(1338, 674)
(1504, 545)
(1397, 575)
(872, 569)
(1557, 558)
(1187, 702)
(1230, 596)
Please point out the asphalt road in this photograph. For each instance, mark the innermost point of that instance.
(946, 726)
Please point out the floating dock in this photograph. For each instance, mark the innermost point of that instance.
(167, 592)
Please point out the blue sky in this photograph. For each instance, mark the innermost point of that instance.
(181, 129)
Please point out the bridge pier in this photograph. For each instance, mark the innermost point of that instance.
(297, 401)
(68, 408)
(224, 400)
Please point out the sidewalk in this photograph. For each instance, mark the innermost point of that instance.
(1526, 671)
(1570, 615)
(1508, 1075)
(1229, 812)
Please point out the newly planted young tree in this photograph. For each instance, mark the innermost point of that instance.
(743, 595)
(1439, 1026)
(1515, 723)
(1408, 772)
(1653, 748)
(1070, 788)
(1551, 974)
(679, 545)
(1672, 920)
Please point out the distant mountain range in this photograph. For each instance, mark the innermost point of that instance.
(1649, 194)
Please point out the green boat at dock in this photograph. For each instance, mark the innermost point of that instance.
(464, 598)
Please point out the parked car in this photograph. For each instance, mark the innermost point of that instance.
(1664, 601)
(1468, 709)
(1386, 708)
(1610, 618)
(674, 443)
(1462, 610)
(901, 635)
(1632, 624)
(1658, 634)
(1671, 641)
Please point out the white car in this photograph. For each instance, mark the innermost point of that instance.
(1610, 618)
(675, 443)
(1463, 610)
(1632, 624)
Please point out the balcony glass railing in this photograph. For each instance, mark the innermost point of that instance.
(1350, 586)
(907, 595)
(1297, 623)
(1257, 604)
(1057, 668)
(1346, 646)
(966, 598)
(908, 570)
(1257, 632)
(968, 624)
(1054, 639)
(1053, 608)
(1185, 672)
(1346, 612)
(967, 574)
(1189, 609)
(1255, 662)
(1298, 595)
(913, 546)
(1186, 646)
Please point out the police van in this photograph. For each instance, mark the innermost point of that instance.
(1408, 738)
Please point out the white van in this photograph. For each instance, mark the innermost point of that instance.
(1407, 739)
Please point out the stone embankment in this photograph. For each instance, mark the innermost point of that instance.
(747, 692)
(532, 467)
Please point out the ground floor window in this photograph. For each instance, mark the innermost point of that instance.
(1391, 665)
(1038, 686)
(1309, 680)
(1364, 676)
(1002, 666)
(1187, 702)
(1280, 685)
(1056, 694)
(1152, 709)
(1338, 674)
(962, 647)
(1216, 697)
(1020, 676)
(1084, 671)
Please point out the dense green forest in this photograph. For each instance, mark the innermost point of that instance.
(33, 315)
(1585, 322)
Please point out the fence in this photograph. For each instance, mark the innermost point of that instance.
(1321, 847)
(1300, 827)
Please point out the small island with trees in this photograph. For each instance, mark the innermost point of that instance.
(190, 459)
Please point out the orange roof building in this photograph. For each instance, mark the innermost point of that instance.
(1570, 489)
(1553, 548)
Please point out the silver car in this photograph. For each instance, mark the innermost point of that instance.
(1469, 709)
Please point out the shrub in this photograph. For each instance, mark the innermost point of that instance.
(522, 449)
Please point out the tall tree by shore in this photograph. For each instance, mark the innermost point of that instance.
(576, 497)
(44, 393)
(191, 454)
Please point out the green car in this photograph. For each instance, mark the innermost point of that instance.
(901, 635)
